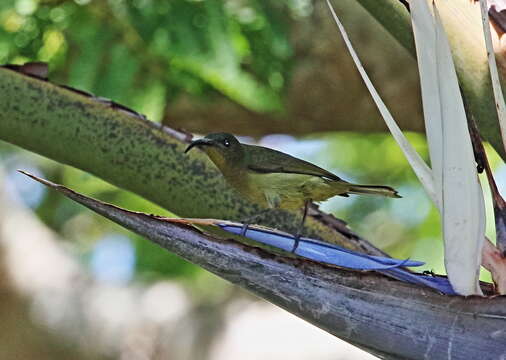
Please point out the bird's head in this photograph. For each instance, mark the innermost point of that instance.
(222, 148)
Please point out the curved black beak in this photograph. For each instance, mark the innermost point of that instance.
(199, 142)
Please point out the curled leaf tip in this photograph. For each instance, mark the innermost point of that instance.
(42, 181)
(36, 69)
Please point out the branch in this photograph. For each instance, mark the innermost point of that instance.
(123, 148)
(383, 316)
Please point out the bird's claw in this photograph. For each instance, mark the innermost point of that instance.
(244, 229)
(295, 244)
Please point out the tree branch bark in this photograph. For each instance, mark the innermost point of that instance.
(383, 316)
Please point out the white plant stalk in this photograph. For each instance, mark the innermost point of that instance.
(463, 205)
(453, 183)
(496, 85)
(418, 165)
(424, 31)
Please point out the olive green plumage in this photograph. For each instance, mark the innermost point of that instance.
(275, 179)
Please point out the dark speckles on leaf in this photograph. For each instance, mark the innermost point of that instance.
(147, 178)
(51, 107)
(78, 105)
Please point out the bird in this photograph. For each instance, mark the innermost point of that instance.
(275, 180)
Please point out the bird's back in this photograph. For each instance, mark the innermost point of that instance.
(264, 160)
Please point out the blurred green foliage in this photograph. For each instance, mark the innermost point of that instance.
(143, 53)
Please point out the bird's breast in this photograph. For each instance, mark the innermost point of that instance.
(286, 190)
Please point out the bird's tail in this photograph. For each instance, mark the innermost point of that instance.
(373, 190)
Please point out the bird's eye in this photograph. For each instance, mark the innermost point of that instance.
(226, 143)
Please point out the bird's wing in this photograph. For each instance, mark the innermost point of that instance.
(265, 160)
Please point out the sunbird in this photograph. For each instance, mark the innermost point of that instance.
(276, 180)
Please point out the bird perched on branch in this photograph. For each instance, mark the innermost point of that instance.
(277, 180)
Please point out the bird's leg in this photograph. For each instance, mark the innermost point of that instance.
(244, 229)
(247, 221)
(301, 226)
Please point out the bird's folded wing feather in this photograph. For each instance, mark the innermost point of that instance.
(265, 160)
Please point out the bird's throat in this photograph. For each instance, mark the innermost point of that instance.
(230, 168)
